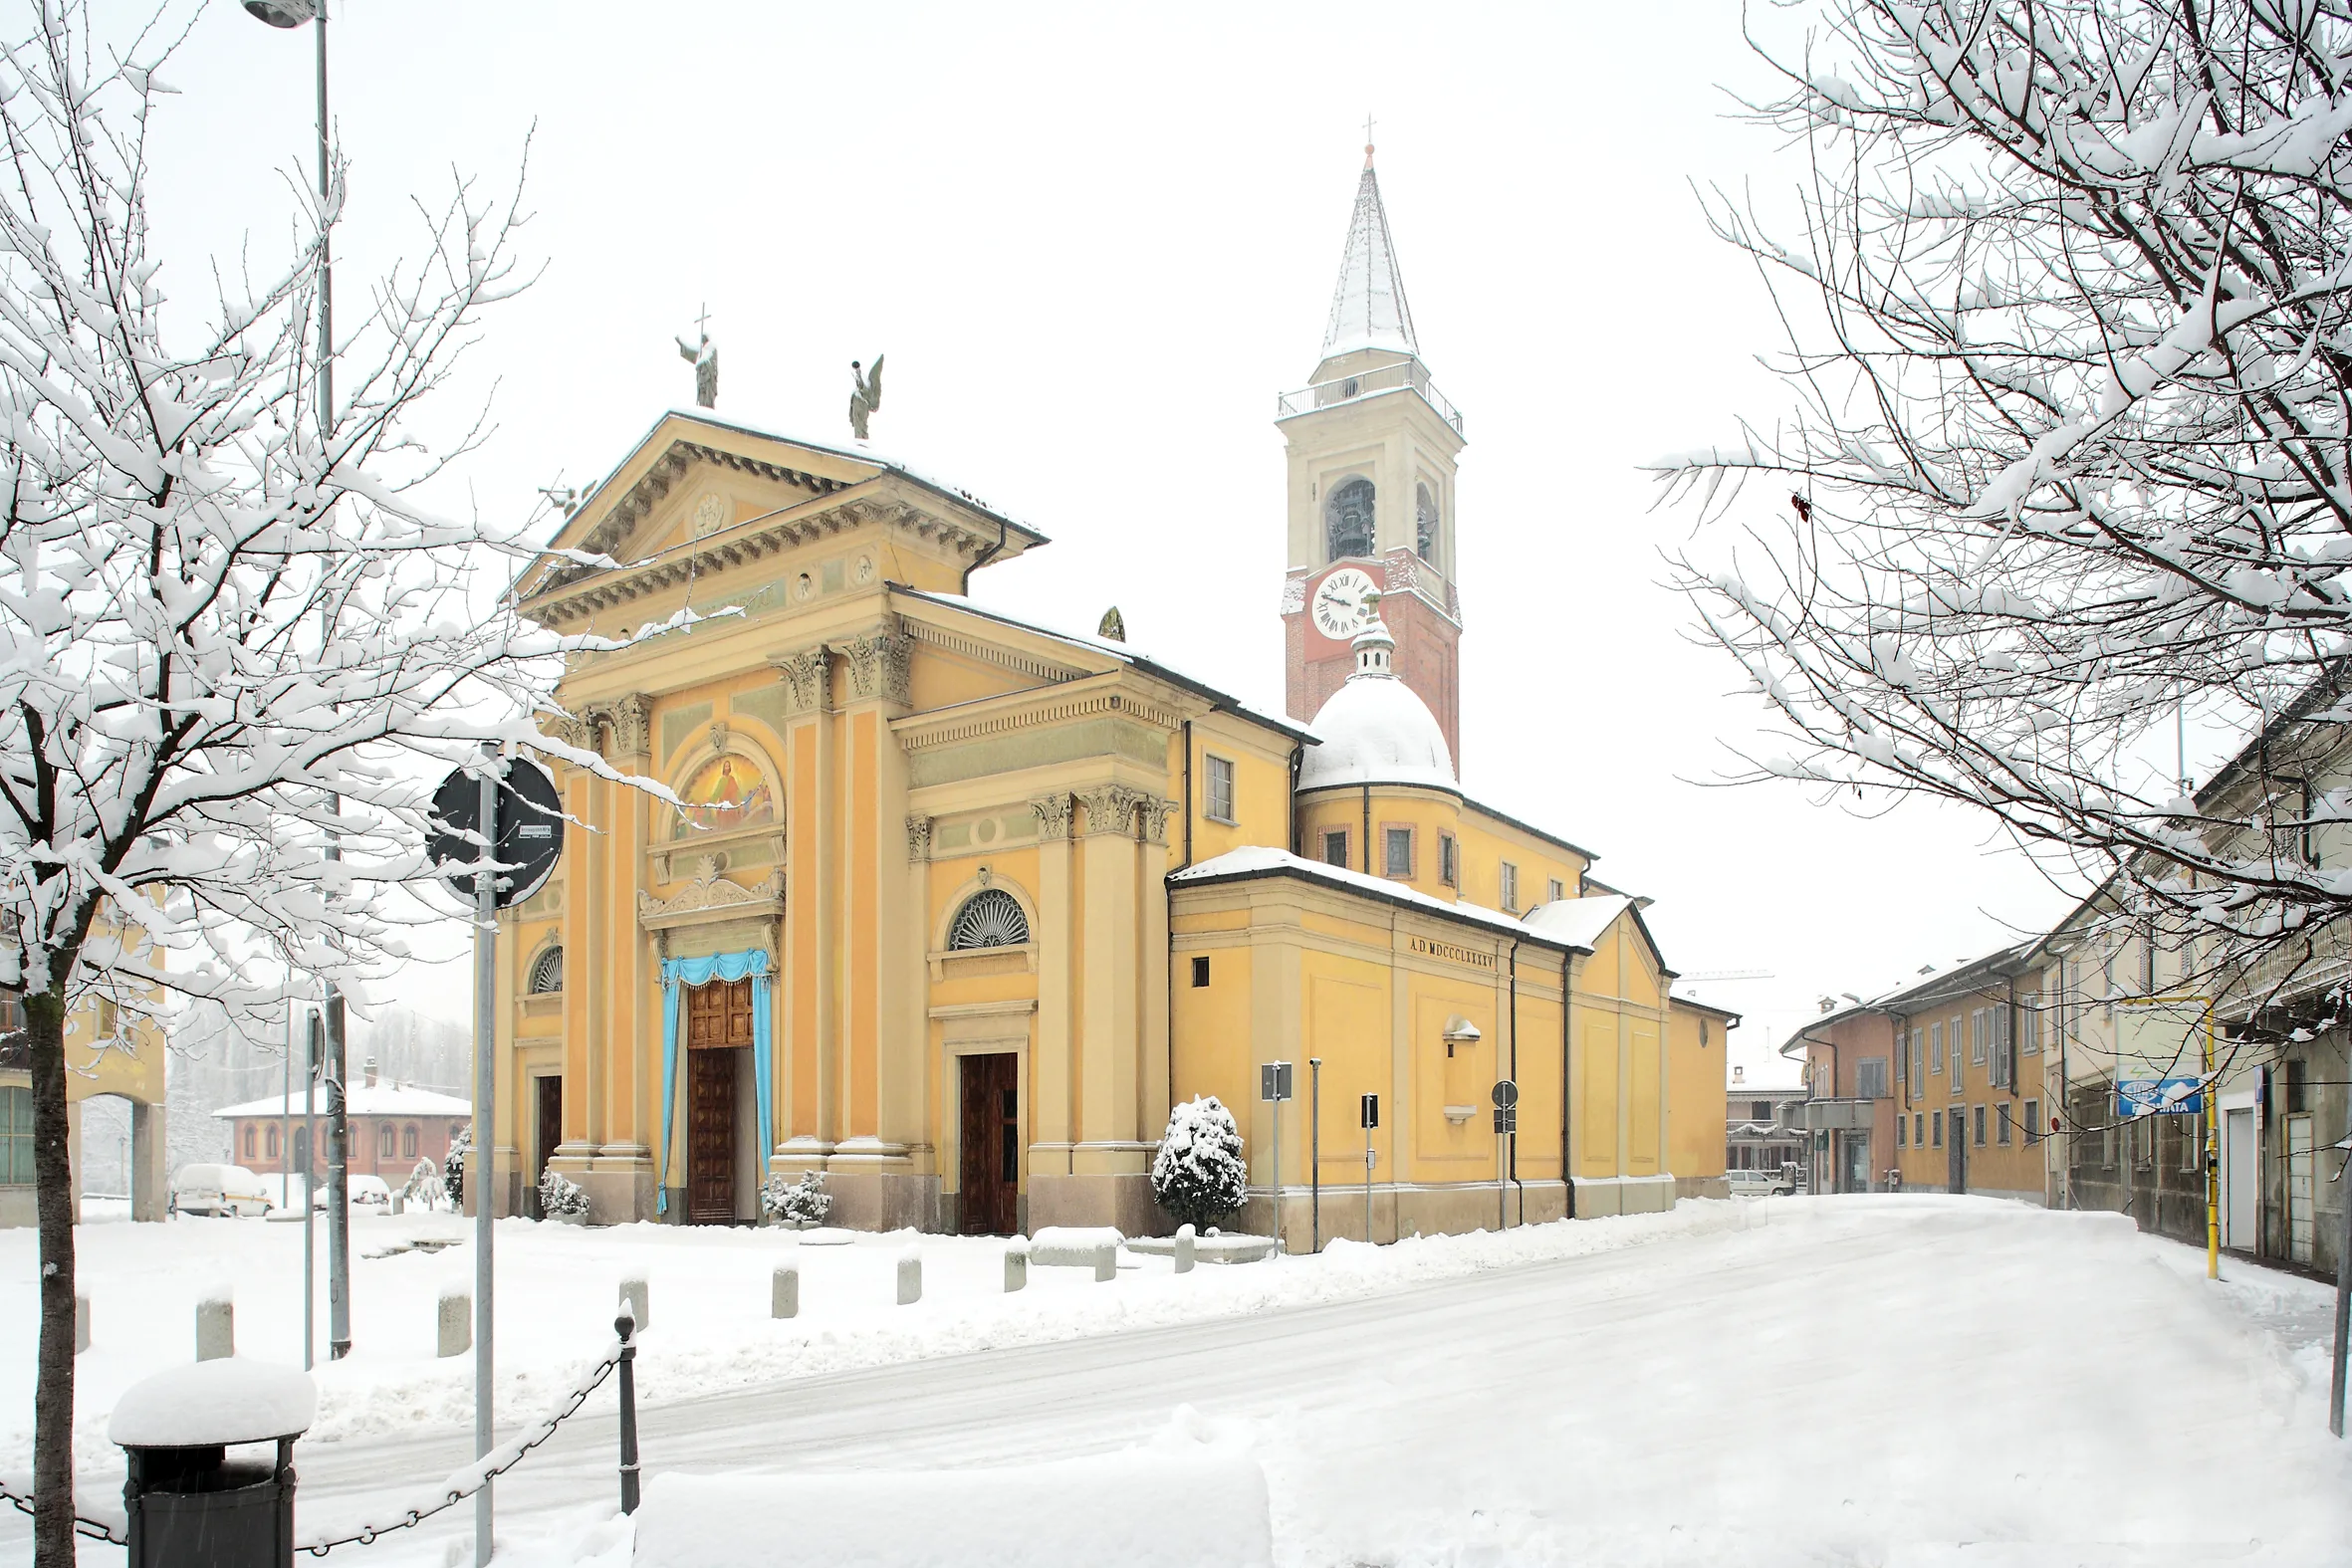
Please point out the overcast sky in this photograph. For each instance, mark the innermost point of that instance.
(1096, 242)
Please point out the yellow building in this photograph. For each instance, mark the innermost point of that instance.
(956, 907)
(106, 1053)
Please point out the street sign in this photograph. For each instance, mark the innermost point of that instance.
(529, 830)
(1505, 1095)
(2159, 1098)
(1372, 1114)
(1274, 1081)
(1505, 1119)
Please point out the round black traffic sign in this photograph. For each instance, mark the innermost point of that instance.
(1505, 1095)
(529, 830)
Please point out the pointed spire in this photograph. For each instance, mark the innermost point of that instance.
(1368, 309)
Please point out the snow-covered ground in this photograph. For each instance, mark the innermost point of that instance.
(1907, 1380)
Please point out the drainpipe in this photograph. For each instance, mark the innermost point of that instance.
(1297, 757)
(1168, 893)
(1187, 796)
(1369, 871)
(1511, 1148)
(1568, 1180)
(984, 558)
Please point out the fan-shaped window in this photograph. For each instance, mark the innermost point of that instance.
(1425, 523)
(991, 919)
(1348, 519)
(547, 971)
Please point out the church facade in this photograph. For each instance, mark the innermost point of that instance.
(954, 908)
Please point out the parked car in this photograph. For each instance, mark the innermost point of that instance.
(1781, 1183)
(370, 1190)
(223, 1189)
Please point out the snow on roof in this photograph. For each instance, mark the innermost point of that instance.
(1263, 861)
(230, 1400)
(1578, 922)
(1368, 309)
(1117, 650)
(359, 1100)
(1374, 730)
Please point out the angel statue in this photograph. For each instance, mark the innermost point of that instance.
(865, 395)
(705, 361)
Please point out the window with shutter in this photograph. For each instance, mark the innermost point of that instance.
(1220, 790)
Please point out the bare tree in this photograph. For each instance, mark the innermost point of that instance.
(222, 608)
(2068, 295)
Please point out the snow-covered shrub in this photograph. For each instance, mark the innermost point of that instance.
(1199, 1174)
(805, 1201)
(559, 1194)
(425, 1185)
(453, 1167)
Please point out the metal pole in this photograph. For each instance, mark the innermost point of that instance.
(339, 1159)
(625, 1326)
(309, 1143)
(326, 260)
(479, 1163)
(1277, 1189)
(2335, 1387)
(285, 1169)
(1314, 1157)
(1367, 1186)
(2213, 1171)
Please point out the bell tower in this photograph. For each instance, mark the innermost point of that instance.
(1372, 446)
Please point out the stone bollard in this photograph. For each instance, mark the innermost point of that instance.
(1107, 1262)
(452, 1322)
(399, 1201)
(80, 1322)
(910, 1277)
(1017, 1265)
(216, 1325)
(637, 1295)
(783, 1296)
(1184, 1245)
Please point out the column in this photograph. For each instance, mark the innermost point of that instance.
(1052, 1125)
(1153, 963)
(805, 994)
(583, 1071)
(1108, 1032)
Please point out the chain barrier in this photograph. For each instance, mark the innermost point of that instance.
(455, 1488)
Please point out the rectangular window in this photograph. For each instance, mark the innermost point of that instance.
(1449, 861)
(1956, 1055)
(1917, 1047)
(2005, 1121)
(408, 1136)
(1200, 971)
(1936, 1128)
(1979, 1119)
(2032, 1121)
(1870, 1078)
(1919, 1129)
(1555, 890)
(1335, 846)
(1935, 1048)
(1509, 887)
(16, 1137)
(1220, 783)
(1397, 850)
(1759, 1110)
(1901, 1130)
(2298, 1094)
(1979, 1029)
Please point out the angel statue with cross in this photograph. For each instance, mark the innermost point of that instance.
(865, 395)
(705, 361)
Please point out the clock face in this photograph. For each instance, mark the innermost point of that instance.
(1339, 603)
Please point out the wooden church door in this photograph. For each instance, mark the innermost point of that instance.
(991, 1158)
(718, 1031)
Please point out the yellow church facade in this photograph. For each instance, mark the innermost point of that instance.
(954, 908)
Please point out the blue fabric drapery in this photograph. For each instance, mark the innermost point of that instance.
(676, 975)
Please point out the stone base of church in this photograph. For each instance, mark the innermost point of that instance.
(1121, 1198)
(1702, 1187)
(1455, 1209)
(1598, 1197)
(883, 1200)
(622, 1184)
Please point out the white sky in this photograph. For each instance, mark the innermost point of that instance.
(1094, 243)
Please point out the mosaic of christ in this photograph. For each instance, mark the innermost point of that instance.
(728, 792)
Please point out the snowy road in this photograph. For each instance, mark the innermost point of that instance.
(1860, 1381)
(1867, 1381)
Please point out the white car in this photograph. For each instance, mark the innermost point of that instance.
(226, 1190)
(1780, 1183)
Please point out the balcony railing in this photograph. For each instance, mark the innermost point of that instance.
(1380, 378)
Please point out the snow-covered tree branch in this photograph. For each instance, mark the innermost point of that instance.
(230, 629)
(2069, 305)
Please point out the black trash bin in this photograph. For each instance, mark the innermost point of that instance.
(192, 1505)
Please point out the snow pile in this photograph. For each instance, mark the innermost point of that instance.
(1199, 1174)
(208, 1402)
(1139, 1509)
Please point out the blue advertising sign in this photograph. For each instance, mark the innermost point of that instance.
(2159, 1098)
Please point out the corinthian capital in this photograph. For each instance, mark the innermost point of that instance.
(804, 674)
(1110, 809)
(881, 664)
(1054, 814)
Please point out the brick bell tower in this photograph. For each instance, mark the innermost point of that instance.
(1373, 447)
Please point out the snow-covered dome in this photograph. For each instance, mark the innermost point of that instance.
(1374, 730)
